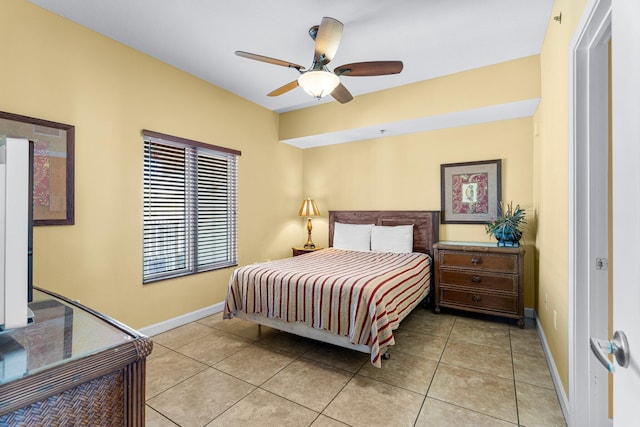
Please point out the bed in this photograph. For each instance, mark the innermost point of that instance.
(340, 295)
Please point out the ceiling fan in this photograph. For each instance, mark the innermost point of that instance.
(317, 80)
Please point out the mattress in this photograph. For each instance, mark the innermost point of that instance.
(359, 295)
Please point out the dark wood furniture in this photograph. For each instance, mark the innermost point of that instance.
(425, 224)
(480, 277)
(72, 366)
(302, 251)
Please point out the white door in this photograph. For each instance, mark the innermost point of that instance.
(625, 61)
(589, 215)
(604, 20)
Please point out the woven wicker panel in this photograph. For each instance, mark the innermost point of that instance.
(96, 403)
(143, 347)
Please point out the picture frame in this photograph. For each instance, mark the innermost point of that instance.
(53, 165)
(470, 192)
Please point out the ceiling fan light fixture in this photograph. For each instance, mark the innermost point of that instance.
(318, 83)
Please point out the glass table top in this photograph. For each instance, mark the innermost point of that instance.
(60, 332)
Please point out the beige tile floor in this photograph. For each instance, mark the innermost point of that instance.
(445, 370)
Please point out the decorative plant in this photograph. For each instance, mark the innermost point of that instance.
(507, 227)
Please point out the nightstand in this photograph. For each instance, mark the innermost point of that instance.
(302, 251)
(480, 277)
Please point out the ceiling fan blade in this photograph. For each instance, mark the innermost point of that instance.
(269, 60)
(327, 40)
(284, 89)
(373, 68)
(342, 94)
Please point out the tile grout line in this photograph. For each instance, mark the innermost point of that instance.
(159, 413)
(208, 366)
(256, 387)
(353, 374)
(297, 356)
(259, 387)
(513, 370)
(179, 382)
(426, 394)
(441, 362)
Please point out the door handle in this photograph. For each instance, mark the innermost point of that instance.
(618, 346)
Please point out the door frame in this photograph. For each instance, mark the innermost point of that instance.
(626, 208)
(588, 212)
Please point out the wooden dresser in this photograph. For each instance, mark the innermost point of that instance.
(480, 277)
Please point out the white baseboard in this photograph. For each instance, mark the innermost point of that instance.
(555, 376)
(166, 325)
(530, 312)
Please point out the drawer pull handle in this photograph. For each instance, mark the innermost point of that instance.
(476, 279)
(476, 298)
(475, 260)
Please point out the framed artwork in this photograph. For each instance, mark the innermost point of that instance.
(53, 179)
(470, 192)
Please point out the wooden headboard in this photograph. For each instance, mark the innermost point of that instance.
(425, 224)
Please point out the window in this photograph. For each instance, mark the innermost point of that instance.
(190, 207)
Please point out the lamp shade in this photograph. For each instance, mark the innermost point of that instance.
(318, 83)
(309, 208)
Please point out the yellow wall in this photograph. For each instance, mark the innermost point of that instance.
(403, 172)
(56, 70)
(551, 181)
(497, 84)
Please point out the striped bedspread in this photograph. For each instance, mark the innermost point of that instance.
(361, 295)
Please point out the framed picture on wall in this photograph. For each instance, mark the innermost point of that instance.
(53, 179)
(470, 192)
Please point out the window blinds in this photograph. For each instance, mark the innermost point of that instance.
(190, 207)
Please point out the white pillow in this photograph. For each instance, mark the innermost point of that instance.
(353, 237)
(396, 239)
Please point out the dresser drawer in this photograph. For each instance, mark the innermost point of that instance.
(480, 280)
(469, 299)
(479, 277)
(479, 260)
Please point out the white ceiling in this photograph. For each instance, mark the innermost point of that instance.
(432, 37)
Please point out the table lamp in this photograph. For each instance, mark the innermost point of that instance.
(309, 209)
